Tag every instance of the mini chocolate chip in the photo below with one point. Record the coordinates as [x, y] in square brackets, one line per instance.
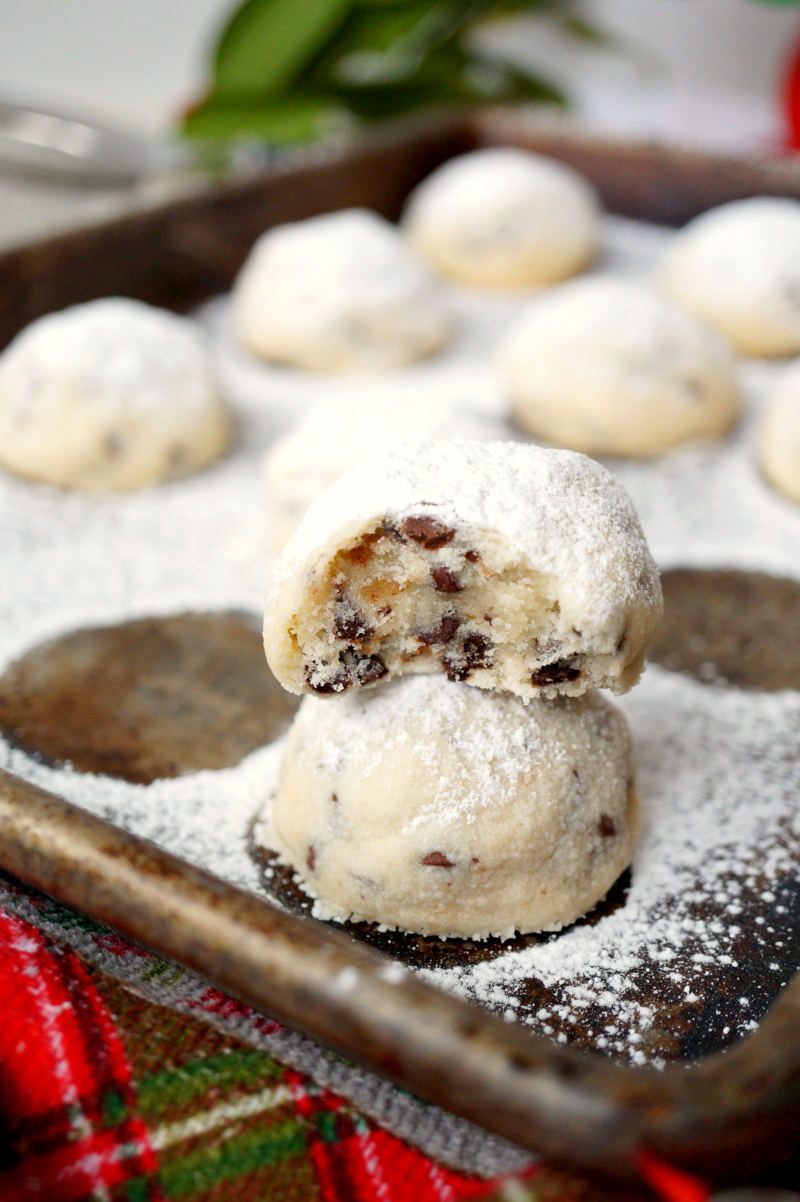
[335, 684]
[576, 774]
[426, 531]
[606, 826]
[444, 581]
[488, 618]
[334, 799]
[476, 649]
[472, 556]
[370, 668]
[384, 611]
[578, 632]
[556, 673]
[349, 623]
[475, 860]
[475, 653]
[443, 633]
[311, 858]
[437, 859]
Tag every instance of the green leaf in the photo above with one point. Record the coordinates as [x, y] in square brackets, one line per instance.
[593, 35]
[277, 122]
[269, 42]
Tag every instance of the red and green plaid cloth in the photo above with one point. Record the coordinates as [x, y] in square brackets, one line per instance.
[122, 1077]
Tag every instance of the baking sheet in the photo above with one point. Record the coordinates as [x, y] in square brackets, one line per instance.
[718, 768]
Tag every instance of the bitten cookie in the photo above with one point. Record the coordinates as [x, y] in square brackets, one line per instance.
[450, 811]
[504, 218]
[737, 268]
[610, 367]
[336, 293]
[333, 438]
[504, 565]
[779, 435]
[112, 395]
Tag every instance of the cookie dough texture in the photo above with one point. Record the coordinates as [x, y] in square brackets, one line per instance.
[449, 811]
[501, 564]
[341, 292]
[109, 395]
[779, 435]
[504, 218]
[737, 268]
[609, 367]
[336, 437]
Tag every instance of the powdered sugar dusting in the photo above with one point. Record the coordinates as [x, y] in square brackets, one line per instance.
[718, 772]
[116, 350]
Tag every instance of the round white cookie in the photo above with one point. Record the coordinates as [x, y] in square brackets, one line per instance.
[609, 367]
[448, 811]
[335, 437]
[501, 564]
[779, 435]
[737, 268]
[113, 394]
[504, 218]
[340, 292]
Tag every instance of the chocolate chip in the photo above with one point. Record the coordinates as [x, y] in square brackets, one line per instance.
[311, 858]
[336, 683]
[384, 611]
[476, 649]
[437, 859]
[114, 445]
[426, 531]
[370, 668]
[334, 799]
[444, 581]
[349, 623]
[475, 652]
[472, 556]
[443, 633]
[488, 618]
[556, 673]
[576, 774]
[475, 860]
[455, 667]
[606, 827]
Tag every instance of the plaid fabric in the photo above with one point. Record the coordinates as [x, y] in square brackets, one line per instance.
[107, 1093]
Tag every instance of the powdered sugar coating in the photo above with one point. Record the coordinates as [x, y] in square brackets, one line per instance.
[779, 435]
[451, 811]
[339, 292]
[737, 268]
[334, 438]
[504, 218]
[112, 394]
[608, 366]
[534, 514]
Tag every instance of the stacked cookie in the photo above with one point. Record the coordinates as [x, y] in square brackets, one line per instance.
[451, 611]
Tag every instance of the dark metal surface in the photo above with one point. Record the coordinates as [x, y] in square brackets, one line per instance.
[150, 698]
[739, 628]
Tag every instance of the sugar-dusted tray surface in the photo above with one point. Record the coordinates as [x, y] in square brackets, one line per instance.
[718, 769]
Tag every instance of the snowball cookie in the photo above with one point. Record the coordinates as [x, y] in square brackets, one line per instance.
[737, 268]
[335, 437]
[779, 435]
[504, 218]
[112, 394]
[339, 292]
[449, 811]
[610, 367]
[501, 564]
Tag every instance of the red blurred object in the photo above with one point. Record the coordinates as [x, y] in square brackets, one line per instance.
[791, 98]
[672, 1184]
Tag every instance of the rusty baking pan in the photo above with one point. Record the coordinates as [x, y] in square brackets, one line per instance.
[734, 1112]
